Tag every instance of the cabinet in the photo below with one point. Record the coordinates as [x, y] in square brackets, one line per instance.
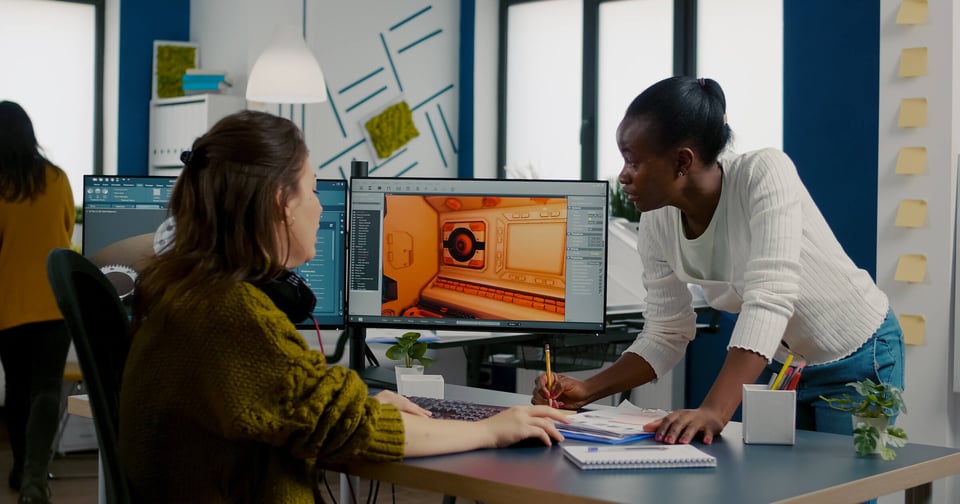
[176, 122]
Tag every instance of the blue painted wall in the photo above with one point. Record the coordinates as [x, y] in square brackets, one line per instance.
[468, 21]
[140, 24]
[831, 93]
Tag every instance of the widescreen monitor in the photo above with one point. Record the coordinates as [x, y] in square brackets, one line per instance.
[492, 255]
[122, 213]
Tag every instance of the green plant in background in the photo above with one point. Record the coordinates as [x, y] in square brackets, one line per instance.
[876, 401]
[408, 349]
[78, 215]
[391, 129]
[620, 206]
[172, 63]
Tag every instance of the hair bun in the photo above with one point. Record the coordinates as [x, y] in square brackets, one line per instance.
[186, 156]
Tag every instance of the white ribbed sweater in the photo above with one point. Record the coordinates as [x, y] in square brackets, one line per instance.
[785, 272]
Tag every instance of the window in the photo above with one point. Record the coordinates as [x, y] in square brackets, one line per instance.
[740, 45]
[544, 76]
[635, 51]
[53, 75]
[608, 51]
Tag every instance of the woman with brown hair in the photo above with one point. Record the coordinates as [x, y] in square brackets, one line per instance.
[36, 216]
[222, 400]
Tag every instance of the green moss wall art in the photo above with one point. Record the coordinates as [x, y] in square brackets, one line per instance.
[391, 129]
[171, 61]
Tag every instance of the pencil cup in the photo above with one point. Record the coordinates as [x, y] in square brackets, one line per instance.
[769, 416]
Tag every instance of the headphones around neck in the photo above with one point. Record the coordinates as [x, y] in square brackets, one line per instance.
[288, 291]
[292, 296]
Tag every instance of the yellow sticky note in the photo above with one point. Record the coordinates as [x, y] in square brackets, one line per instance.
[913, 113]
[912, 160]
[914, 328]
[913, 62]
[911, 268]
[912, 12]
[912, 213]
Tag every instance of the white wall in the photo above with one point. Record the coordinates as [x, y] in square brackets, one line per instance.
[352, 40]
[933, 411]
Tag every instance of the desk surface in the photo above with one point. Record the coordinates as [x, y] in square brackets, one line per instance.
[819, 468]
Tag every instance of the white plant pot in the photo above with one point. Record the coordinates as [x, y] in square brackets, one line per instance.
[400, 370]
[881, 424]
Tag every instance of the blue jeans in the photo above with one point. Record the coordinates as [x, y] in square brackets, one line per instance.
[880, 359]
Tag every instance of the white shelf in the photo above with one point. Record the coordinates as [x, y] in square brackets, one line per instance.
[176, 122]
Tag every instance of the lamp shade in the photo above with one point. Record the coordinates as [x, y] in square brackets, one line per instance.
[286, 71]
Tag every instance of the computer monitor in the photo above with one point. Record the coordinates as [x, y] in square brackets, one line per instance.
[326, 273]
[121, 215]
[493, 255]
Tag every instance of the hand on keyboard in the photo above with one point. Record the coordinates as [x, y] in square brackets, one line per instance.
[402, 403]
[456, 410]
[510, 426]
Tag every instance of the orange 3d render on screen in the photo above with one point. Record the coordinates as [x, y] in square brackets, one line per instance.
[449, 253]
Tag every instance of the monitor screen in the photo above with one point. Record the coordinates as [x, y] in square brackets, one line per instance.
[495, 255]
[121, 215]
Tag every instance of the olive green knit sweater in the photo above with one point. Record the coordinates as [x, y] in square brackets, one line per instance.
[222, 401]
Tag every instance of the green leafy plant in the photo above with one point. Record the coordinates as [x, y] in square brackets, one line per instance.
[620, 206]
[408, 349]
[874, 401]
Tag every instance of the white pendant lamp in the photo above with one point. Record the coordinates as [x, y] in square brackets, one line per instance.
[286, 71]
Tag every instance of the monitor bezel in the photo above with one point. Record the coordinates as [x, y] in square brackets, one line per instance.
[565, 327]
[345, 265]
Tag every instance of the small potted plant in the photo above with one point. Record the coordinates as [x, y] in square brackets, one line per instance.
[407, 349]
[872, 410]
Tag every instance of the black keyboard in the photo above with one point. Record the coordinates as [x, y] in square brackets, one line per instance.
[453, 409]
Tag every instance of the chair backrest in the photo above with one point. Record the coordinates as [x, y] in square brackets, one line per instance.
[100, 330]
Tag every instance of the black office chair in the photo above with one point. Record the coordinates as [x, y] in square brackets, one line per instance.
[98, 324]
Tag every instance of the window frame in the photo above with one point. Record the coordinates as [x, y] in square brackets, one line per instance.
[684, 63]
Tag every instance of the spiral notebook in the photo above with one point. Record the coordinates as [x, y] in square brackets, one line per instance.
[658, 456]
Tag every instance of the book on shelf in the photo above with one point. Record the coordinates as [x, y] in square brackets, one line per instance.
[623, 424]
[644, 456]
[204, 71]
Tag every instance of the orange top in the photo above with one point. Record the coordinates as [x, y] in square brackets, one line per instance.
[29, 230]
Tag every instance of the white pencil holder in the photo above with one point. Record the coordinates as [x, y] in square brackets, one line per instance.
[769, 416]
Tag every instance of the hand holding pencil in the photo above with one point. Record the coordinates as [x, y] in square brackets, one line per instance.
[556, 390]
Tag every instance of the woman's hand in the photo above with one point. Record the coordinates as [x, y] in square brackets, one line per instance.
[402, 403]
[522, 422]
[566, 392]
[681, 426]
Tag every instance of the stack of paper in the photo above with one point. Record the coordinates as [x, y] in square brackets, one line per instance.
[622, 424]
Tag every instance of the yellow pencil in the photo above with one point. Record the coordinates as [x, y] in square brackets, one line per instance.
[546, 356]
[783, 371]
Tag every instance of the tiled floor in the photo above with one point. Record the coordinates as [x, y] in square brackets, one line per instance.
[75, 482]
